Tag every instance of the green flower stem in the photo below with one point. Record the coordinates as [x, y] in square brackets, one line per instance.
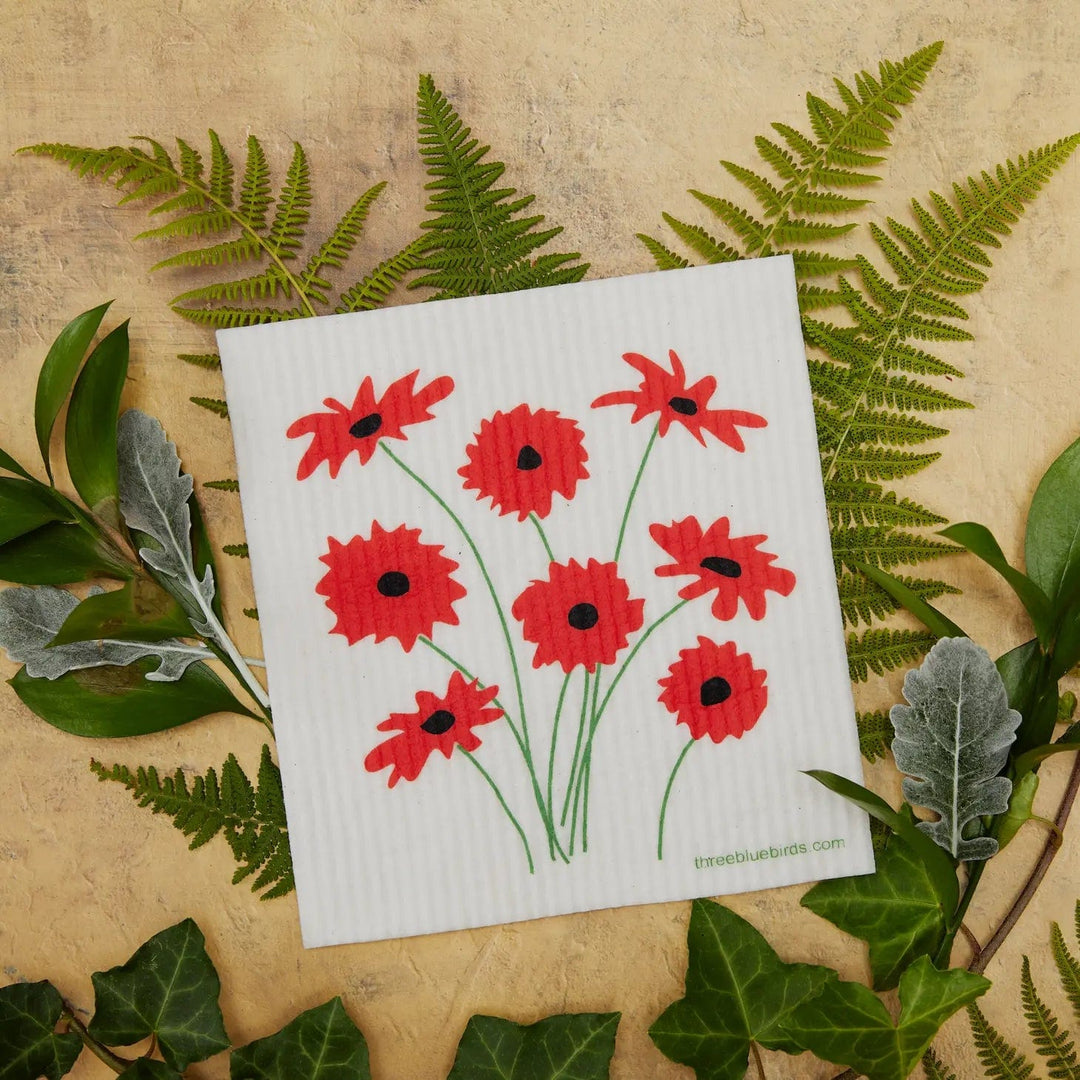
[554, 739]
[585, 773]
[502, 802]
[667, 794]
[577, 748]
[100, 1051]
[525, 747]
[633, 490]
[543, 536]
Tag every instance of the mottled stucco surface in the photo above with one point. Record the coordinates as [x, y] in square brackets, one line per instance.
[609, 111]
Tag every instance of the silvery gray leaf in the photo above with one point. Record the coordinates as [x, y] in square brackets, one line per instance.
[154, 495]
[953, 739]
[31, 618]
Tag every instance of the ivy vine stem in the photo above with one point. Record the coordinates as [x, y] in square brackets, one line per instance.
[99, 1050]
[502, 802]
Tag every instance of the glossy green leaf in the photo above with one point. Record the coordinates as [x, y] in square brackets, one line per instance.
[90, 430]
[979, 540]
[116, 702]
[29, 1045]
[148, 1069]
[203, 552]
[58, 373]
[168, 988]
[1067, 645]
[846, 1024]
[573, 1046]
[1019, 671]
[320, 1044]
[1052, 541]
[58, 554]
[926, 613]
[141, 610]
[11, 465]
[738, 991]
[26, 505]
[1020, 807]
[938, 865]
[897, 911]
[1068, 743]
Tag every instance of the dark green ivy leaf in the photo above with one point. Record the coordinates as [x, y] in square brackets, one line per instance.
[574, 1046]
[26, 505]
[58, 373]
[29, 1045]
[116, 702]
[59, 554]
[140, 611]
[90, 430]
[897, 911]
[320, 1044]
[846, 1024]
[738, 991]
[148, 1069]
[168, 988]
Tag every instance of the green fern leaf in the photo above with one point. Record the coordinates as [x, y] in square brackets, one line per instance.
[268, 285]
[813, 297]
[291, 215]
[250, 817]
[999, 1058]
[251, 613]
[239, 551]
[222, 485]
[1050, 1041]
[705, 244]
[373, 290]
[214, 405]
[878, 463]
[875, 734]
[860, 503]
[1067, 964]
[255, 198]
[751, 231]
[863, 601]
[885, 650]
[210, 361]
[884, 548]
[664, 257]
[221, 172]
[478, 239]
[818, 264]
[336, 248]
[226, 316]
[935, 1068]
[771, 198]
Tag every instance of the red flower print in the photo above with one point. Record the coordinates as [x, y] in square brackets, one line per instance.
[439, 723]
[389, 586]
[340, 432]
[520, 459]
[579, 615]
[732, 565]
[715, 690]
[667, 394]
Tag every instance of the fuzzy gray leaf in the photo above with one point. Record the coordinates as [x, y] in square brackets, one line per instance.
[154, 495]
[31, 618]
[954, 737]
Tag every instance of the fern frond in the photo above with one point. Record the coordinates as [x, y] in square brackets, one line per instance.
[251, 613]
[291, 215]
[336, 247]
[664, 257]
[479, 241]
[210, 361]
[239, 551]
[884, 548]
[875, 734]
[863, 601]
[372, 290]
[1050, 1041]
[222, 485]
[214, 405]
[879, 463]
[704, 243]
[885, 650]
[818, 264]
[935, 1068]
[860, 503]
[1000, 1059]
[250, 817]
[1067, 964]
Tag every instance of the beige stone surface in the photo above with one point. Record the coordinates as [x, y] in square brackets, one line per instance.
[609, 111]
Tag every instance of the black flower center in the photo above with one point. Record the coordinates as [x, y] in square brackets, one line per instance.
[441, 720]
[719, 565]
[686, 406]
[366, 425]
[393, 583]
[529, 458]
[583, 616]
[714, 691]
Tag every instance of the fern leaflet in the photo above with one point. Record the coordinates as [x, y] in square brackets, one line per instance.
[1000, 1059]
[251, 818]
[875, 734]
[1067, 964]
[1050, 1041]
[883, 650]
[934, 1068]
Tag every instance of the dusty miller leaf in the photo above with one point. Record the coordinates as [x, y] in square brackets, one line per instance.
[31, 618]
[29, 1045]
[953, 737]
[154, 495]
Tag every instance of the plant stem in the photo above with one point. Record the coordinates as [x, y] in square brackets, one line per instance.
[577, 747]
[667, 795]
[633, 490]
[103, 1053]
[585, 775]
[502, 802]
[972, 940]
[543, 536]
[554, 739]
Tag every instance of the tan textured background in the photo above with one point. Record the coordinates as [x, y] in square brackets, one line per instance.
[609, 111]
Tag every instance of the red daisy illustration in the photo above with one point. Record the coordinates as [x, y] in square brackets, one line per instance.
[715, 690]
[579, 615]
[666, 393]
[339, 432]
[732, 565]
[389, 586]
[439, 723]
[522, 458]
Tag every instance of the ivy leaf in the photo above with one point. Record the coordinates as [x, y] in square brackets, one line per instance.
[117, 702]
[139, 611]
[738, 991]
[168, 988]
[574, 1046]
[58, 373]
[1052, 542]
[954, 736]
[31, 618]
[846, 1024]
[897, 911]
[90, 430]
[148, 1069]
[59, 554]
[29, 1045]
[320, 1044]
